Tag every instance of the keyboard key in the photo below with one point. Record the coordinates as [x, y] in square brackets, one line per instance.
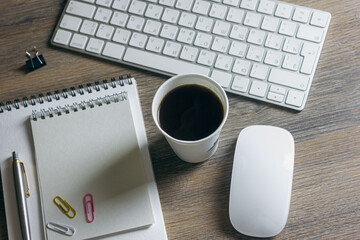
[241, 67]
[155, 44]
[121, 5]
[201, 7]
[301, 15]
[292, 45]
[136, 23]
[113, 50]
[137, 7]
[105, 31]
[105, 3]
[103, 15]
[81, 9]
[172, 49]
[78, 41]
[184, 4]
[223, 62]
[152, 27]
[252, 19]
[258, 88]
[203, 40]
[206, 58]
[119, 19]
[220, 44]
[289, 79]
[62, 37]
[283, 10]
[231, 2]
[256, 37]
[221, 28]
[273, 58]
[169, 31]
[274, 41]
[239, 32]
[121, 36]
[238, 49]
[278, 89]
[235, 15]
[222, 78]
[95, 45]
[189, 53]
[249, 4]
[295, 98]
[187, 20]
[309, 52]
[204, 24]
[155, 61]
[89, 27]
[287, 28]
[240, 84]
[291, 62]
[169, 3]
[255, 53]
[319, 19]
[275, 97]
[259, 71]
[138, 40]
[70, 22]
[218, 11]
[310, 33]
[270, 23]
[266, 6]
[154, 11]
[186, 36]
[170, 15]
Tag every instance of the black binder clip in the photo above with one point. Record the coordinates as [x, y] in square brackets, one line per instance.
[34, 63]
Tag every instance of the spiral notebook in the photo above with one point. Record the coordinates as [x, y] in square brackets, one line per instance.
[76, 151]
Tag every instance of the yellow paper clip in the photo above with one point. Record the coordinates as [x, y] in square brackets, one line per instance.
[65, 207]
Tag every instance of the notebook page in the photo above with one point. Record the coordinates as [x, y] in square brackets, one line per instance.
[92, 151]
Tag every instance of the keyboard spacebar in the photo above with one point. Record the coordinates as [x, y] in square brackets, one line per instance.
[162, 63]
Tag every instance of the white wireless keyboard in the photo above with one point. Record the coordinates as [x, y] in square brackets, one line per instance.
[262, 49]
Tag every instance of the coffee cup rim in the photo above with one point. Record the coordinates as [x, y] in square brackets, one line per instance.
[216, 84]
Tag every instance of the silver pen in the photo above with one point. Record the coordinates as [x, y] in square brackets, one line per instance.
[21, 194]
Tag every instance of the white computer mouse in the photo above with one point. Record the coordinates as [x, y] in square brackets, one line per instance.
[261, 180]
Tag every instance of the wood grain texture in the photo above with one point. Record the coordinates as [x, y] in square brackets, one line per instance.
[326, 188]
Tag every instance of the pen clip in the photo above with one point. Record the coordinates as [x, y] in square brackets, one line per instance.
[27, 191]
[65, 206]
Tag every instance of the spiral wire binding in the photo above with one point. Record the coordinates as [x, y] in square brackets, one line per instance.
[57, 95]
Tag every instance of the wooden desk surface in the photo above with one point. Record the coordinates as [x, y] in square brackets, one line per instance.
[326, 186]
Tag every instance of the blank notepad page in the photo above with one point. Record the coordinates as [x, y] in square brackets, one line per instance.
[92, 151]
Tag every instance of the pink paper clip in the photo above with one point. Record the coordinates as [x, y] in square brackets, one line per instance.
[89, 200]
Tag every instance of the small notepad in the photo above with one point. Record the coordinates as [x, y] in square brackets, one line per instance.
[92, 151]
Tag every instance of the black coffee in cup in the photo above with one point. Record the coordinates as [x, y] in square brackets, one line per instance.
[190, 112]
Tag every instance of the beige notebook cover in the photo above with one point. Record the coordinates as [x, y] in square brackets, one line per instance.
[92, 151]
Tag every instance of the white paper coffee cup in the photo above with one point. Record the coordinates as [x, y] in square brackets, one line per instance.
[202, 149]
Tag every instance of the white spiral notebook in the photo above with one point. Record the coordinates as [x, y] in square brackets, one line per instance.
[91, 115]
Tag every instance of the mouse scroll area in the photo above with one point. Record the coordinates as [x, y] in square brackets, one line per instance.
[261, 181]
